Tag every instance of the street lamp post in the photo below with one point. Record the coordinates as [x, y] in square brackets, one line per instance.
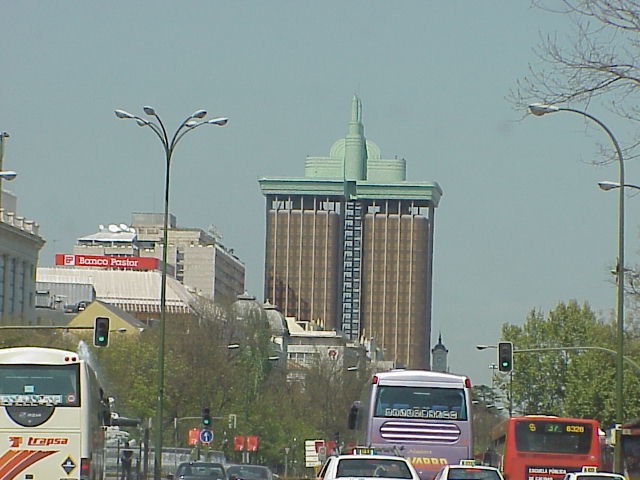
[192, 122]
[542, 109]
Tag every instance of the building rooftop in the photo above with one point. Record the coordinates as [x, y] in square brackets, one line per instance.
[355, 169]
[129, 290]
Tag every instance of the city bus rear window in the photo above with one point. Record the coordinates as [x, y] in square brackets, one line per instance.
[38, 385]
[553, 437]
[421, 403]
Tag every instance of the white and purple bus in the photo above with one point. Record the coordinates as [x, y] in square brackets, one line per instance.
[421, 415]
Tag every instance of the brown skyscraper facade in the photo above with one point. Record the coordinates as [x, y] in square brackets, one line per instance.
[351, 244]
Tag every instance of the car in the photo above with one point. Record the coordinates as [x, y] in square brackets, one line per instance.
[200, 471]
[592, 473]
[468, 470]
[248, 472]
[367, 466]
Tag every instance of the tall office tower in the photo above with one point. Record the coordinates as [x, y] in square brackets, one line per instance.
[350, 245]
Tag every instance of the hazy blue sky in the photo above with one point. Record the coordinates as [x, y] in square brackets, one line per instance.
[521, 223]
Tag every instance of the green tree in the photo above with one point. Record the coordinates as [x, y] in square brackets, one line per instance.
[575, 383]
[201, 371]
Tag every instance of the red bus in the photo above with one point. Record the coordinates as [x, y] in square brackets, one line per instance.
[539, 447]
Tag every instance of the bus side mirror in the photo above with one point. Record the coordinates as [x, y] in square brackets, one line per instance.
[353, 415]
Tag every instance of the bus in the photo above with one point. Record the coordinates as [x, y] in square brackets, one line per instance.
[630, 438]
[52, 416]
[421, 415]
[541, 447]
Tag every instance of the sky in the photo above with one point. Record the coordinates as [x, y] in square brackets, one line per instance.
[521, 224]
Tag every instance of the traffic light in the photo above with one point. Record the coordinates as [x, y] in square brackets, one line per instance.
[505, 356]
[101, 331]
[206, 417]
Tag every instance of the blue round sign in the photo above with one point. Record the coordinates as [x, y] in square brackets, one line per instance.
[206, 436]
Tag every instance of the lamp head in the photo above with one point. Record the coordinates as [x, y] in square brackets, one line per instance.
[4, 135]
[192, 124]
[149, 110]
[199, 114]
[8, 175]
[539, 109]
[123, 114]
[221, 121]
[606, 185]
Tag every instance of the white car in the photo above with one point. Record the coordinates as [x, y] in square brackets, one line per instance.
[468, 470]
[367, 466]
[592, 473]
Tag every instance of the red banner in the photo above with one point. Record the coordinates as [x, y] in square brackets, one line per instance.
[104, 261]
[248, 444]
[194, 435]
[252, 443]
[238, 443]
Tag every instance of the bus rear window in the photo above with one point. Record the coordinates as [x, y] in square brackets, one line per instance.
[553, 437]
[421, 403]
[38, 385]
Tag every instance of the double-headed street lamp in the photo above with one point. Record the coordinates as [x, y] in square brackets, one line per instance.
[192, 122]
[539, 109]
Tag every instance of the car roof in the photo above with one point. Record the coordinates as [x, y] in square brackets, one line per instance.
[479, 467]
[371, 457]
[595, 475]
[246, 465]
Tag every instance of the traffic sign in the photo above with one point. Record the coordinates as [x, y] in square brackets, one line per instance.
[194, 434]
[206, 436]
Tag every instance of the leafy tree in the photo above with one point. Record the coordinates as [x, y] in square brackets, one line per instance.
[575, 383]
[200, 370]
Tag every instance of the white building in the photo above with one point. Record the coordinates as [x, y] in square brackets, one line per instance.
[20, 245]
[195, 258]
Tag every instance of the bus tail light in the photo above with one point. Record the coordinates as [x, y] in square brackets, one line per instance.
[374, 380]
[467, 383]
[85, 468]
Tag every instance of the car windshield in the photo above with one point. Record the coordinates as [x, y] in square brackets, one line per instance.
[373, 467]
[248, 473]
[204, 470]
[472, 474]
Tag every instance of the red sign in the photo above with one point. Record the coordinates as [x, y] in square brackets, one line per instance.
[249, 444]
[194, 435]
[238, 443]
[252, 443]
[104, 261]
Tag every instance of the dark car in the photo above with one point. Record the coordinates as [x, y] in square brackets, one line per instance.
[200, 471]
[248, 472]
